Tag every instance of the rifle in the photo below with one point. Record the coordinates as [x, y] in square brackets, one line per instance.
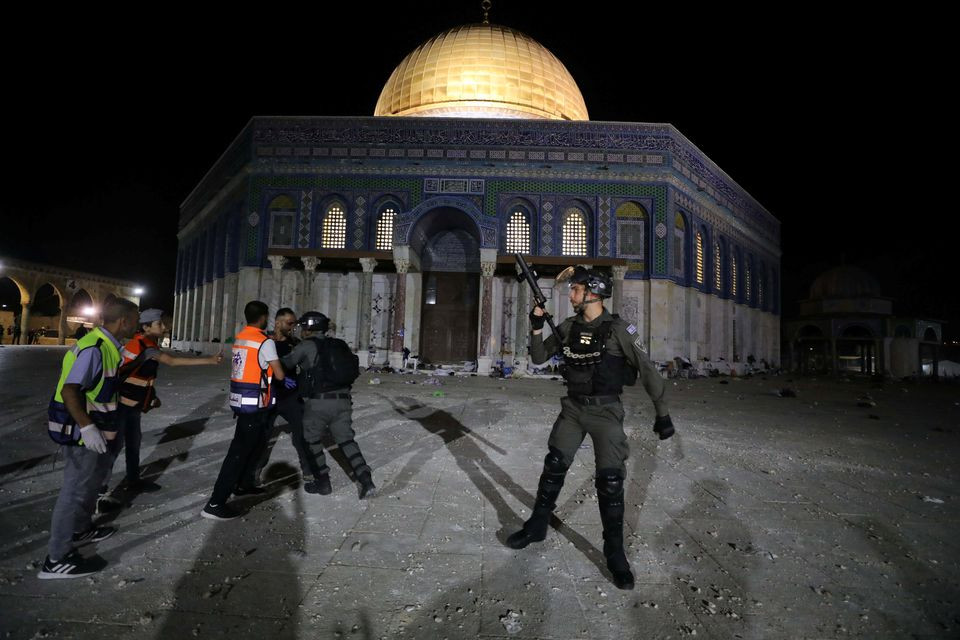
[541, 300]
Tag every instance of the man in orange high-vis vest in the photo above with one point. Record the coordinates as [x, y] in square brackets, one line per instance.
[254, 364]
[137, 393]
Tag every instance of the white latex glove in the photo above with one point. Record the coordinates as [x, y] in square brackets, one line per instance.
[92, 439]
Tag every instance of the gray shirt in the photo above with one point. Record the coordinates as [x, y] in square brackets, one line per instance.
[303, 355]
[88, 366]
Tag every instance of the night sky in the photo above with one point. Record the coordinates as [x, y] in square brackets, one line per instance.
[834, 123]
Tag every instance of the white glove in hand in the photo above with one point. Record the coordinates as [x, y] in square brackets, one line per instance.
[92, 439]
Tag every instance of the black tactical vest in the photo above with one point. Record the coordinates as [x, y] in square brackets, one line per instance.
[589, 369]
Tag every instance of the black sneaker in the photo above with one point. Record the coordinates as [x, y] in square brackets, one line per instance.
[93, 534]
[73, 565]
[249, 491]
[319, 485]
[108, 504]
[220, 512]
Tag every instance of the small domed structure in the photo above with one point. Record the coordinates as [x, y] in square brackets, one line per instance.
[845, 281]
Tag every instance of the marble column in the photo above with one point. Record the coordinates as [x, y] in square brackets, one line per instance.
[216, 303]
[484, 348]
[366, 302]
[197, 315]
[175, 328]
[62, 326]
[276, 262]
[619, 272]
[397, 330]
[228, 327]
[523, 306]
[305, 303]
[25, 323]
[206, 313]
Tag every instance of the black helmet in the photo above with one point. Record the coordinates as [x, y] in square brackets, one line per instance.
[595, 282]
[314, 321]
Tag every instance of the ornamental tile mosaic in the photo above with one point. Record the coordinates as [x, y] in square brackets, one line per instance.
[603, 227]
[359, 221]
[306, 218]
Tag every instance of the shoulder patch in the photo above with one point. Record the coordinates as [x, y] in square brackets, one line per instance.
[631, 329]
[639, 346]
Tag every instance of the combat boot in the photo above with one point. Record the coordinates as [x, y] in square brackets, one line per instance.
[610, 497]
[663, 427]
[366, 485]
[551, 481]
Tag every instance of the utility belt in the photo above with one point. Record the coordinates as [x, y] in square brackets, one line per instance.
[595, 400]
[331, 396]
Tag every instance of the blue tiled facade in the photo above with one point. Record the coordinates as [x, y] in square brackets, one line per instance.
[487, 169]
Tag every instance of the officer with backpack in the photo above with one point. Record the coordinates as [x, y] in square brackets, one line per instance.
[328, 369]
[601, 354]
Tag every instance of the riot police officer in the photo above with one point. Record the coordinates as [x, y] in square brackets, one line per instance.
[328, 369]
[601, 354]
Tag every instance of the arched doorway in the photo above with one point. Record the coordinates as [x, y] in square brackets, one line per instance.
[13, 297]
[812, 350]
[45, 315]
[82, 314]
[930, 353]
[448, 242]
[856, 350]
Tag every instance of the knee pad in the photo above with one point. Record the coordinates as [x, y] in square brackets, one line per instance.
[554, 462]
[609, 483]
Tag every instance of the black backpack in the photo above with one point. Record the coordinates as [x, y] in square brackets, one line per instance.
[336, 367]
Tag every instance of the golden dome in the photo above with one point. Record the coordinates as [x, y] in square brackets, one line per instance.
[482, 71]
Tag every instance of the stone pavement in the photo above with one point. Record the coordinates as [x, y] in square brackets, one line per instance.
[765, 517]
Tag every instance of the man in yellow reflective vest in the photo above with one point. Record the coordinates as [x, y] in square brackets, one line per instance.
[82, 417]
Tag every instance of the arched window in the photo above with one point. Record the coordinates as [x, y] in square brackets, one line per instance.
[699, 242]
[518, 232]
[574, 233]
[679, 231]
[733, 276]
[334, 234]
[384, 240]
[717, 268]
[283, 216]
[632, 233]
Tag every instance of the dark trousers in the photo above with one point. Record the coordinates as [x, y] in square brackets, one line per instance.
[290, 409]
[241, 461]
[335, 415]
[129, 425]
[604, 424]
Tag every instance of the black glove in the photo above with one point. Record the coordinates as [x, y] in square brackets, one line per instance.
[537, 322]
[663, 427]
